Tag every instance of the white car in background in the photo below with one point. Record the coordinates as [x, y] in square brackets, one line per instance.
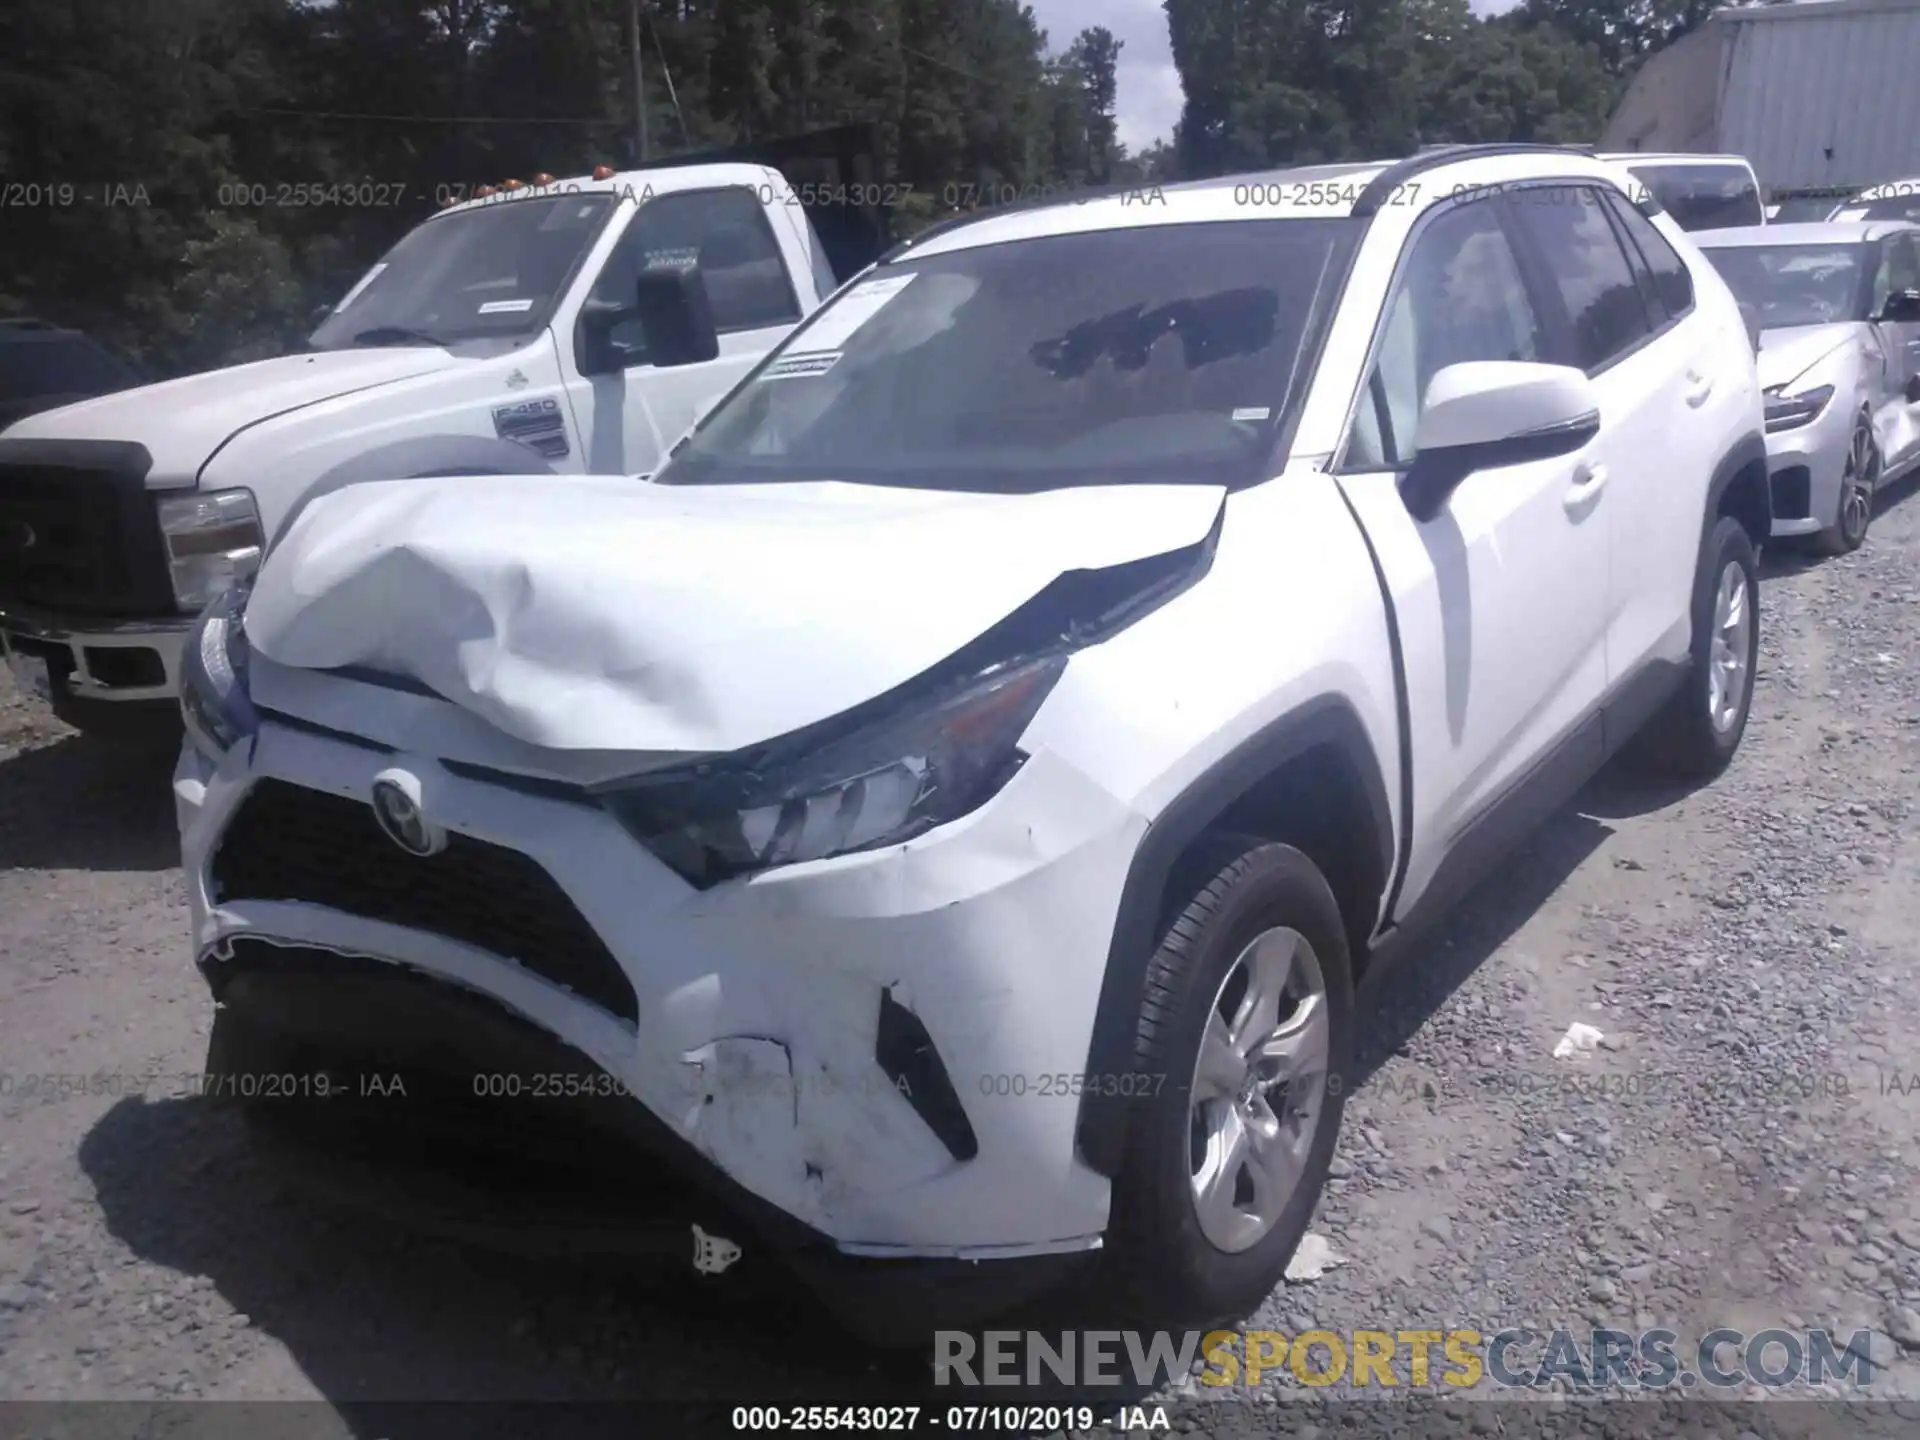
[1895, 200]
[1700, 192]
[1838, 310]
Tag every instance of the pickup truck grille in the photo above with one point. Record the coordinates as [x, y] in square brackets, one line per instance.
[287, 842]
[79, 537]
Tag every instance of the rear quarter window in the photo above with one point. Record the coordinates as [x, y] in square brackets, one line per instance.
[1704, 197]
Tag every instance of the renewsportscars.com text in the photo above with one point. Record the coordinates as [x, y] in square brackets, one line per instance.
[1413, 1359]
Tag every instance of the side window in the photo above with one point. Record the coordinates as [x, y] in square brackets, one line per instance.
[1883, 276]
[727, 233]
[1906, 264]
[1606, 312]
[1672, 281]
[824, 283]
[1460, 297]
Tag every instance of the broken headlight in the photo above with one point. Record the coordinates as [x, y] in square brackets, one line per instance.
[214, 702]
[871, 782]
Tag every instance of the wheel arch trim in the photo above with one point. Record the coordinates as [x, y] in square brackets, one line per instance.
[1325, 721]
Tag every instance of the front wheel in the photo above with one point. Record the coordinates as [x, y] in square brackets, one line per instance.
[1694, 736]
[1854, 514]
[1247, 1021]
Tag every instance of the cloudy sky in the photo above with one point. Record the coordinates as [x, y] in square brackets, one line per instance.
[1149, 99]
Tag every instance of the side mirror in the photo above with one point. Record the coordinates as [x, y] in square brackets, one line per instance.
[1902, 308]
[320, 313]
[671, 305]
[1484, 414]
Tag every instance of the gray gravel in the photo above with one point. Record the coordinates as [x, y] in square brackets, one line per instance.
[1739, 1151]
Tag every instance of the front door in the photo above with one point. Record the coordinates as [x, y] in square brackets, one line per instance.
[1502, 597]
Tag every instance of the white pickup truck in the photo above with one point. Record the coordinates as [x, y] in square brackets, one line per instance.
[501, 336]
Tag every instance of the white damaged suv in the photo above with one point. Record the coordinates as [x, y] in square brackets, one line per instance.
[948, 812]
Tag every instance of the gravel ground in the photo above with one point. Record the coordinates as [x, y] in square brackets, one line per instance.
[1739, 1151]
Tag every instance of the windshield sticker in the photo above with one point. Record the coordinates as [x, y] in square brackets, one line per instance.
[1253, 412]
[1859, 214]
[364, 281]
[851, 311]
[683, 258]
[798, 365]
[506, 307]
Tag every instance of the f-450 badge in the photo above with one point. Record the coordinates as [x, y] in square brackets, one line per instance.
[536, 424]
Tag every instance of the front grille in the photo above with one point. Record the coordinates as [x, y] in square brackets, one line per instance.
[81, 537]
[287, 842]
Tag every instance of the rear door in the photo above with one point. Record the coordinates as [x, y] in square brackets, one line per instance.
[1622, 321]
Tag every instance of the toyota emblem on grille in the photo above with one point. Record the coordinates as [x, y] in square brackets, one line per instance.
[16, 537]
[397, 810]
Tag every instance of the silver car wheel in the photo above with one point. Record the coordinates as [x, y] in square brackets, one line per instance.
[1258, 1086]
[1732, 645]
[1856, 488]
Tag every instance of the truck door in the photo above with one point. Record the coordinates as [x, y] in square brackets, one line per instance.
[629, 416]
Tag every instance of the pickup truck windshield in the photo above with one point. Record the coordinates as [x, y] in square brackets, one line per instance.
[496, 270]
[1795, 284]
[1152, 354]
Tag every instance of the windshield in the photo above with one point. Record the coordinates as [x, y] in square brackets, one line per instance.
[1162, 353]
[1787, 285]
[1887, 207]
[1704, 197]
[498, 270]
[69, 365]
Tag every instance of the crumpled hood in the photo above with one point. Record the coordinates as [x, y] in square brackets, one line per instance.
[1786, 354]
[604, 613]
[182, 422]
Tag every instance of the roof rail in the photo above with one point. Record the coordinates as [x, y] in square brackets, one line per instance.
[1039, 202]
[1381, 189]
[26, 322]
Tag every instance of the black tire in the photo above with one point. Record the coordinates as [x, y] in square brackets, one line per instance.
[1848, 532]
[1681, 742]
[1164, 1268]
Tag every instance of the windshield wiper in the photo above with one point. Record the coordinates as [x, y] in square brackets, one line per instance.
[396, 335]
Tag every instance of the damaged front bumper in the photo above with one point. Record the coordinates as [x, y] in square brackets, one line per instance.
[869, 1060]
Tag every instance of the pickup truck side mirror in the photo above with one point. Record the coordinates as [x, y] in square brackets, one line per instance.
[671, 306]
[1902, 308]
[1483, 414]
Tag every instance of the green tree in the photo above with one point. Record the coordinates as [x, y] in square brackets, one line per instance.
[1095, 57]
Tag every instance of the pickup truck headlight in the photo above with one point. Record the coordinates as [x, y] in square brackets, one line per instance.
[213, 539]
[214, 703]
[879, 782]
[1790, 412]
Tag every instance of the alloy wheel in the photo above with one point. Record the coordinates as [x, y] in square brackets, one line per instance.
[1258, 1087]
[1732, 644]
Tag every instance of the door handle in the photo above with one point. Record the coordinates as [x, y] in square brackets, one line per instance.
[1588, 482]
[1699, 387]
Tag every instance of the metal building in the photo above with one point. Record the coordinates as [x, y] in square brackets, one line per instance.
[1822, 96]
